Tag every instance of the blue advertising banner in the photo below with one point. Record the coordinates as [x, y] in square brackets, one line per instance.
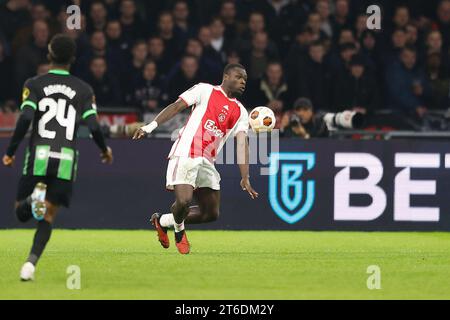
[310, 185]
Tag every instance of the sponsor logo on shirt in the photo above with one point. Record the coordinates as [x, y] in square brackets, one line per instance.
[210, 125]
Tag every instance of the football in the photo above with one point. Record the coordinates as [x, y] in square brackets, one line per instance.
[262, 119]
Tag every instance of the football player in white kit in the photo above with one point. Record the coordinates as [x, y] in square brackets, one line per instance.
[215, 116]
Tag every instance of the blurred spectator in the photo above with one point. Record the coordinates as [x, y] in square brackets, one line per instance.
[323, 9]
[341, 18]
[218, 41]
[156, 52]
[98, 16]
[98, 48]
[210, 70]
[106, 87]
[443, 21]
[181, 15]
[401, 17]
[147, 93]
[439, 82]
[356, 89]
[282, 16]
[152, 9]
[434, 44]
[14, 14]
[186, 77]
[340, 64]
[412, 35]
[133, 69]
[116, 42]
[228, 15]
[407, 86]
[205, 37]
[271, 90]
[360, 25]
[6, 73]
[31, 55]
[346, 36]
[371, 52]
[303, 122]
[132, 26]
[297, 55]
[314, 23]
[256, 23]
[398, 42]
[259, 55]
[166, 31]
[314, 78]
[38, 12]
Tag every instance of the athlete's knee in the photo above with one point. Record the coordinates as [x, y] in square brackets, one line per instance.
[183, 203]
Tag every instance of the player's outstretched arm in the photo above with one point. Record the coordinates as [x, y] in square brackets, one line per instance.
[243, 163]
[165, 115]
[23, 123]
[106, 154]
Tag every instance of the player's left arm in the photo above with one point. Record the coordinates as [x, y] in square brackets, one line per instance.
[28, 109]
[243, 163]
[89, 116]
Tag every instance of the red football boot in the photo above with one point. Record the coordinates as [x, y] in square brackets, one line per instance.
[162, 231]
[182, 242]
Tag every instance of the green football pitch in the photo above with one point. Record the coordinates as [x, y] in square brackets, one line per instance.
[230, 265]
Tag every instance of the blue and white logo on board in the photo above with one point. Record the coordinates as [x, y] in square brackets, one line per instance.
[289, 195]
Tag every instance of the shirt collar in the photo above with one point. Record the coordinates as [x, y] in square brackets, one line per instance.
[59, 72]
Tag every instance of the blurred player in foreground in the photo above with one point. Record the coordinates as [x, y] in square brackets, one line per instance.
[56, 103]
[215, 116]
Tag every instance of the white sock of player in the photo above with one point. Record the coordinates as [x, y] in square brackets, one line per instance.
[167, 220]
[178, 226]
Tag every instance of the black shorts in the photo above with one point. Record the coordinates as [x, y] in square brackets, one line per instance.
[59, 192]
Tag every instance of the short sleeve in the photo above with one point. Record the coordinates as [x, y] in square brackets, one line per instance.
[242, 124]
[29, 95]
[193, 95]
[88, 104]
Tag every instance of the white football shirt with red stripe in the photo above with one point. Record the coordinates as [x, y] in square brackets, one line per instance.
[214, 117]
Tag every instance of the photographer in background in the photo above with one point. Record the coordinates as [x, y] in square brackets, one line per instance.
[303, 122]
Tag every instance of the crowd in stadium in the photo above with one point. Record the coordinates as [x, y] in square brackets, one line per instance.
[143, 54]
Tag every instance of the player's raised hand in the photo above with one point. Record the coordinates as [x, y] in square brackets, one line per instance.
[107, 156]
[139, 134]
[246, 186]
[8, 161]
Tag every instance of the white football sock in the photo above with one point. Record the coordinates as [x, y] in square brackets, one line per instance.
[167, 220]
[178, 226]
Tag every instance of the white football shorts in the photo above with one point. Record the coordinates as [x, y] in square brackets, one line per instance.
[198, 172]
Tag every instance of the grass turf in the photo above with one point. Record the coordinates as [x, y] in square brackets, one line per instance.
[230, 265]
